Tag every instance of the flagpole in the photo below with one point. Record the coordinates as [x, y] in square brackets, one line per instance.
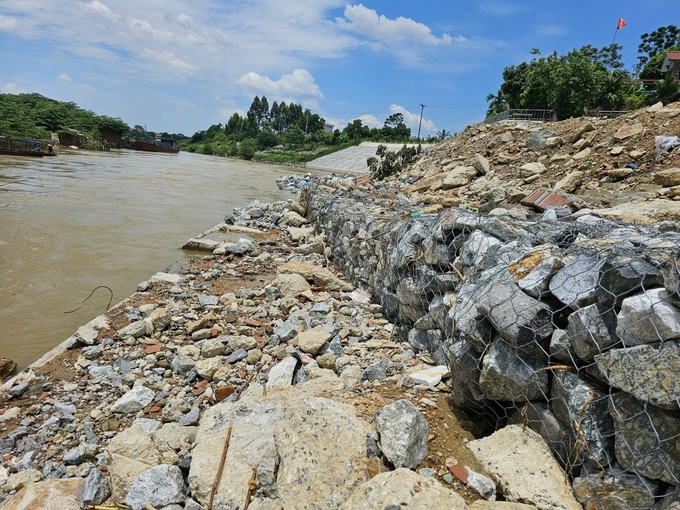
[615, 33]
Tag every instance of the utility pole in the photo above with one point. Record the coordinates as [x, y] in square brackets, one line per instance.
[306, 122]
[422, 107]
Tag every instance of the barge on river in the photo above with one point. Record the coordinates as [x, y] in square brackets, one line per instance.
[161, 144]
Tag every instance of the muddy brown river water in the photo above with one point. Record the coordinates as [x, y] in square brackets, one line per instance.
[83, 219]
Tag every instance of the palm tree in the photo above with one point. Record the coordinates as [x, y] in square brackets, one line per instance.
[443, 134]
[667, 89]
[497, 103]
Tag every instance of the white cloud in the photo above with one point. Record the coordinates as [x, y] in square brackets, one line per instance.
[12, 88]
[371, 121]
[170, 58]
[7, 22]
[86, 87]
[551, 30]
[501, 8]
[100, 9]
[64, 77]
[298, 84]
[412, 120]
[366, 22]
[224, 114]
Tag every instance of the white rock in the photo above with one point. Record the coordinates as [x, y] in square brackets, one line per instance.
[134, 400]
[430, 376]
[282, 373]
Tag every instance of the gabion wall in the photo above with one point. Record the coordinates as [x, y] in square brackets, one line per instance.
[565, 322]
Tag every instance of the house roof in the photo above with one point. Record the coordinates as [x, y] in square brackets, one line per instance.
[673, 55]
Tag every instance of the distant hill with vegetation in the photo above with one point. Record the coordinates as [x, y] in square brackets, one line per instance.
[289, 133]
[35, 116]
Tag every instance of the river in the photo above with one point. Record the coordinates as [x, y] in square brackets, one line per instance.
[83, 219]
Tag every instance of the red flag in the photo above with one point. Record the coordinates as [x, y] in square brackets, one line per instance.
[621, 24]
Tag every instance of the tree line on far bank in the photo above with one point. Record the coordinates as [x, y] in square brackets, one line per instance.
[588, 78]
[35, 116]
[287, 132]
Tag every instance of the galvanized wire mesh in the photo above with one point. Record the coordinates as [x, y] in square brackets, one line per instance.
[566, 323]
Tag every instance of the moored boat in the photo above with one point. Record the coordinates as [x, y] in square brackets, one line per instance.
[27, 147]
[161, 145]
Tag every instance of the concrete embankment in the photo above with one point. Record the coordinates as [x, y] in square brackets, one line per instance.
[353, 159]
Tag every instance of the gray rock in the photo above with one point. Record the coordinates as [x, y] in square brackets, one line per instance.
[403, 434]
[212, 347]
[591, 331]
[463, 362]
[375, 372]
[105, 373]
[418, 340]
[286, 331]
[18, 390]
[474, 252]
[648, 372]
[77, 455]
[510, 375]
[670, 501]
[291, 284]
[481, 164]
[125, 367]
[135, 329]
[535, 270]
[560, 347]
[537, 138]
[577, 283]
[236, 356]
[585, 411]
[182, 364]
[205, 300]
[190, 418]
[134, 400]
[648, 318]
[394, 490]
[626, 273]
[466, 322]
[482, 485]
[94, 490]
[645, 438]
[611, 487]
[147, 425]
[63, 410]
[159, 486]
[522, 321]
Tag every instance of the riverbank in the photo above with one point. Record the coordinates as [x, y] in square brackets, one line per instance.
[155, 369]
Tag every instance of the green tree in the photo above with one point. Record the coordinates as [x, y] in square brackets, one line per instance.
[266, 138]
[248, 148]
[395, 130]
[355, 130]
[661, 39]
[667, 89]
[294, 135]
[652, 69]
[497, 103]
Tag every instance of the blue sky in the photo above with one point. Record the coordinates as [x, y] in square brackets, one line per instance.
[180, 66]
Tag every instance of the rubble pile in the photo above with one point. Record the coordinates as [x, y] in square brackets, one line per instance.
[605, 162]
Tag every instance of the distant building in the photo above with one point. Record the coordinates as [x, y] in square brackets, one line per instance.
[166, 142]
[671, 64]
[328, 128]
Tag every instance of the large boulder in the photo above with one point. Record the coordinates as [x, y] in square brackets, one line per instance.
[584, 410]
[523, 321]
[510, 375]
[403, 433]
[648, 318]
[520, 463]
[128, 455]
[323, 454]
[537, 138]
[402, 488]
[646, 438]
[611, 487]
[51, 494]
[591, 331]
[159, 487]
[252, 423]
